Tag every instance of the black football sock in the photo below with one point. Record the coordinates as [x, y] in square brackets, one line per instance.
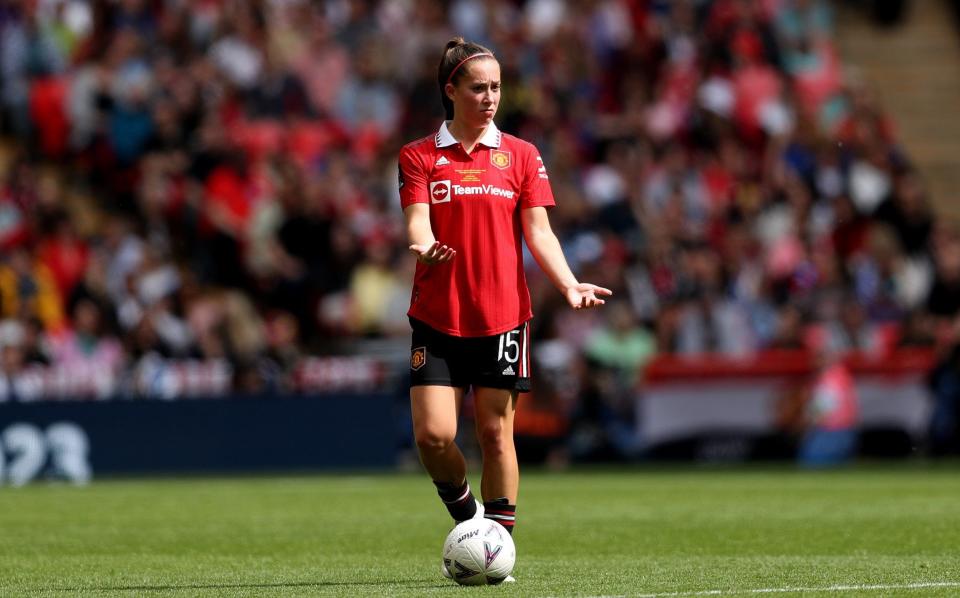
[501, 511]
[458, 500]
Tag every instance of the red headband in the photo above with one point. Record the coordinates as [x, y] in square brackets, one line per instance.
[456, 68]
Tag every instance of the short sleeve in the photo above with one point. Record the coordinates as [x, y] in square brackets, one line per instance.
[535, 188]
[411, 178]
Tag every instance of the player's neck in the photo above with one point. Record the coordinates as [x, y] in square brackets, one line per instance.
[467, 135]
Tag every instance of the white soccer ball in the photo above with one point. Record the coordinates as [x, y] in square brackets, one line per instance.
[479, 551]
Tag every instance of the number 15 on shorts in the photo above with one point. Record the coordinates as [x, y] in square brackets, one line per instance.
[509, 347]
[512, 352]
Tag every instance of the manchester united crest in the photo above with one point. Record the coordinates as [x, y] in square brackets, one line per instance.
[500, 159]
[418, 357]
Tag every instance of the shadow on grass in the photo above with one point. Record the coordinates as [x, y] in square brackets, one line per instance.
[406, 583]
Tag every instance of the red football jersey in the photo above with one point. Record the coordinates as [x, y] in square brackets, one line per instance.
[475, 201]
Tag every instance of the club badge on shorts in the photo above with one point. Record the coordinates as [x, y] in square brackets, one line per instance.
[500, 159]
[418, 357]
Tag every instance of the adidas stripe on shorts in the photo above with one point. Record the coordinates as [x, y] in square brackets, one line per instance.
[499, 361]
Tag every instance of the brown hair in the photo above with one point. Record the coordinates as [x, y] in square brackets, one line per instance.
[454, 55]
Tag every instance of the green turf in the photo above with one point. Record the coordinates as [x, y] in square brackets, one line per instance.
[595, 533]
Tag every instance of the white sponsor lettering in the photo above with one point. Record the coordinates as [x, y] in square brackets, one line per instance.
[482, 190]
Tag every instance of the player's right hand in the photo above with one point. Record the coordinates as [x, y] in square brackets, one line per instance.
[585, 295]
[433, 254]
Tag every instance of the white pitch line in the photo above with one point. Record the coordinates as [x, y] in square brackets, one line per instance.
[850, 588]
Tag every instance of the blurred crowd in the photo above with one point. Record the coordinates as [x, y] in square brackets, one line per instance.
[217, 180]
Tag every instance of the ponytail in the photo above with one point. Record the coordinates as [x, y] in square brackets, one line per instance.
[455, 55]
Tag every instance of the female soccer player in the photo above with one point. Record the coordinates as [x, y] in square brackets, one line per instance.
[467, 192]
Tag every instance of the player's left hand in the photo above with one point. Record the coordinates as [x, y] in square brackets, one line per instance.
[585, 295]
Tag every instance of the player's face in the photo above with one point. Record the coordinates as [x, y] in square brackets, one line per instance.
[477, 94]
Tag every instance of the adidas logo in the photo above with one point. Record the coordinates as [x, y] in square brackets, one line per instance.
[508, 371]
[442, 161]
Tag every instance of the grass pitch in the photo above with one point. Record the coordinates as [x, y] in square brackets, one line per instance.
[874, 531]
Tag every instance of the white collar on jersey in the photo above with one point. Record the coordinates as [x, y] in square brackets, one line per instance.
[491, 137]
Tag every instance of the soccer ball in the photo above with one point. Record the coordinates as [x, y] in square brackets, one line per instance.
[479, 551]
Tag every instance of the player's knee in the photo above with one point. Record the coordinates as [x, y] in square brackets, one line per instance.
[433, 440]
[494, 438]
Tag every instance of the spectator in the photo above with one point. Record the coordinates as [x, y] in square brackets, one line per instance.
[944, 298]
[28, 289]
[86, 345]
[944, 381]
[373, 287]
[831, 415]
[621, 345]
[789, 330]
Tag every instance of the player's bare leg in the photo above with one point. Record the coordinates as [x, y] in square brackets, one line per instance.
[500, 484]
[435, 411]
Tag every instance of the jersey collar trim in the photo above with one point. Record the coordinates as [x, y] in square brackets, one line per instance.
[491, 137]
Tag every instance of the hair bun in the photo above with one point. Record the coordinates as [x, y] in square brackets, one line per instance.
[454, 42]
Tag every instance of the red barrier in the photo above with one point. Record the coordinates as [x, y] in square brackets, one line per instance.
[779, 364]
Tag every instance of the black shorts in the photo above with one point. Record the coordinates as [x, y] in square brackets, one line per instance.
[499, 361]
